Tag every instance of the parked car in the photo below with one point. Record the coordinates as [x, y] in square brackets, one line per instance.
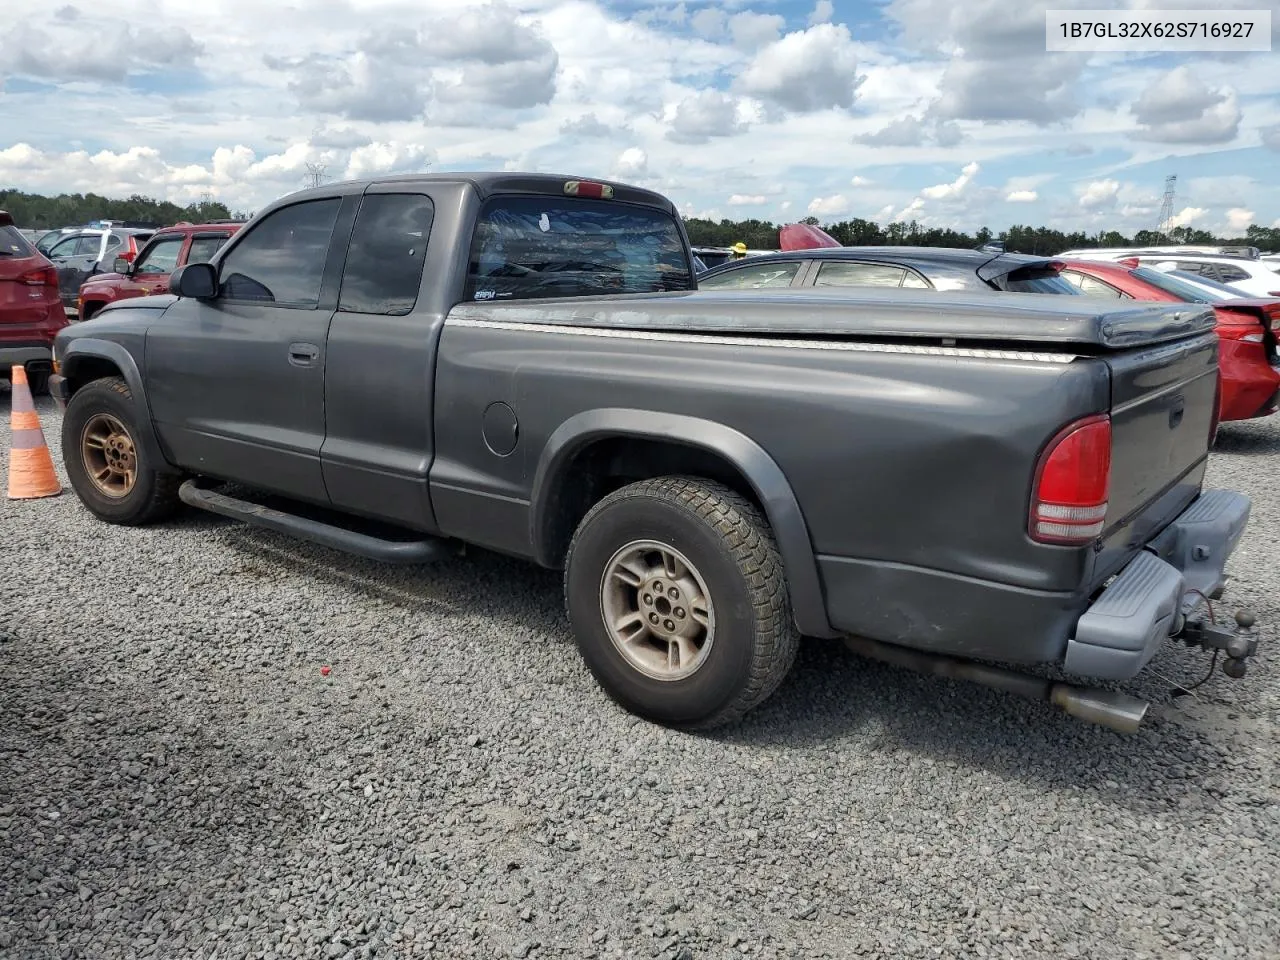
[1253, 278]
[1234, 251]
[1247, 350]
[938, 268]
[168, 249]
[519, 362]
[31, 312]
[87, 252]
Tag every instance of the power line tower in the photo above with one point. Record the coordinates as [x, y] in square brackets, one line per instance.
[1164, 226]
[315, 174]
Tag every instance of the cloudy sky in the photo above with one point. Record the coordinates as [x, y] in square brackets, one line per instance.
[947, 112]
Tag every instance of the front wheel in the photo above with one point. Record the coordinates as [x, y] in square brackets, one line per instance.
[107, 466]
[678, 602]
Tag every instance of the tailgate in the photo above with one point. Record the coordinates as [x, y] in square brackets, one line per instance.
[1163, 404]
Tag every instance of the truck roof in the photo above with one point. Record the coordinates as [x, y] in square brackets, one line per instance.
[491, 183]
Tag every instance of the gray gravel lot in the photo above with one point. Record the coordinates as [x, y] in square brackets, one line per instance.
[178, 780]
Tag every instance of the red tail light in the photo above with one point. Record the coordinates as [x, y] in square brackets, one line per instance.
[587, 188]
[40, 277]
[1069, 496]
[1240, 326]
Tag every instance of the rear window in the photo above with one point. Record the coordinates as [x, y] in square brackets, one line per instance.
[1185, 292]
[532, 247]
[13, 244]
[1037, 280]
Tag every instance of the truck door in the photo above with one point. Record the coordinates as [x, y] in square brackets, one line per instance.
[380, 361]
[236, 383]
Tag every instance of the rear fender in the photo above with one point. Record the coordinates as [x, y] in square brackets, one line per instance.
[748, 457]
[77, 355]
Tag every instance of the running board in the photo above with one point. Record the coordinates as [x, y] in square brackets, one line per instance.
[304, 528]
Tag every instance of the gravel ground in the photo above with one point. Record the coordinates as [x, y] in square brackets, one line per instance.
[177, 778]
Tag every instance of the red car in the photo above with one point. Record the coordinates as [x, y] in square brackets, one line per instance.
[31, 311]
[148, 274]
[1247, 358]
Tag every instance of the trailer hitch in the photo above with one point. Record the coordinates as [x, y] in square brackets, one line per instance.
[1239, 644]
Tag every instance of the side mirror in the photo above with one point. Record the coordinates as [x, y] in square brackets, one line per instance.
[198, 281]
[121, 266]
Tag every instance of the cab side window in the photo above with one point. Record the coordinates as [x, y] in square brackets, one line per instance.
[385, 258]
[281, 261]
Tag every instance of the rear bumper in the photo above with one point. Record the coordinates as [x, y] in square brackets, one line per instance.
[1249, 382]
[1146, 602]
[22, 354]
[1112, 637]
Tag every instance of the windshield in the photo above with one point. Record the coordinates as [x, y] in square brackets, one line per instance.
[536, 246]
[1170, 284]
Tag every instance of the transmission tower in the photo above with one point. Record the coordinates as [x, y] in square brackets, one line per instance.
[1163, 227]
[315, 174]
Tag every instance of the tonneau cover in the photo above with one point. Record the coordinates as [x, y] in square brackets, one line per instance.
[890, 314]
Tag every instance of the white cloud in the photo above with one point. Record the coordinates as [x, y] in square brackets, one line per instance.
[1187, 216]
[829, 206]
[704, 115]
[745, 200]
[1100, 193]
[1021, 196]
[1178, 107]
[813, 69]
[1239, 219]
[860, 182]
[632, 162]
[822, 11]
[948, 191]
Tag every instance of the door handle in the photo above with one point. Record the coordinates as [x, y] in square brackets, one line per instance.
[303, 354]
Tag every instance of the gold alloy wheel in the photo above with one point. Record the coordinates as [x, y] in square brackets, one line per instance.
[108, 455]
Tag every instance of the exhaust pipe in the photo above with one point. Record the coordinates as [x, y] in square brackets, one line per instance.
[1116, 711]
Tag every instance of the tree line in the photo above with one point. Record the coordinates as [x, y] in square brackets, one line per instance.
[1040, 241]
[31, 211]
[35, 212]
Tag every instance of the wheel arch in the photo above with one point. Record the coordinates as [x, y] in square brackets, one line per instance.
[553, 517]
[88, 359]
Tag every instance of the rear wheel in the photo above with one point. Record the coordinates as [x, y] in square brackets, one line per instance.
[109, 470]
[678, 602]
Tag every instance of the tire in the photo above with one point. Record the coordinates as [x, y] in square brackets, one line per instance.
[730, 551]
[152, 496]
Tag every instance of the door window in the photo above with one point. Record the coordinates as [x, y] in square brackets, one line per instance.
[203, 248]
[1229, 274]
[388, 248]
[834, 274]
[73, 246]
[282, 259]
[160, 257]
[754, 276]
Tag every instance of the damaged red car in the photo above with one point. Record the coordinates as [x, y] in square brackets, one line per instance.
[1247, 354]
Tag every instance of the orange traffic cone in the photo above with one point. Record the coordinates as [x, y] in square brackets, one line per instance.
[31, 472]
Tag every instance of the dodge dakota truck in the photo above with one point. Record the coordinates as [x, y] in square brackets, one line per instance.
[402, 366]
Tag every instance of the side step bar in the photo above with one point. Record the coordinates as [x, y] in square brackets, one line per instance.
[325, 534]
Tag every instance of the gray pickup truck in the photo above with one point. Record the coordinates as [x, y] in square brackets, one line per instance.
[399, 366]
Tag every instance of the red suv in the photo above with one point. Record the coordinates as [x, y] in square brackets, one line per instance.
[31, 311]
[148, 274]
